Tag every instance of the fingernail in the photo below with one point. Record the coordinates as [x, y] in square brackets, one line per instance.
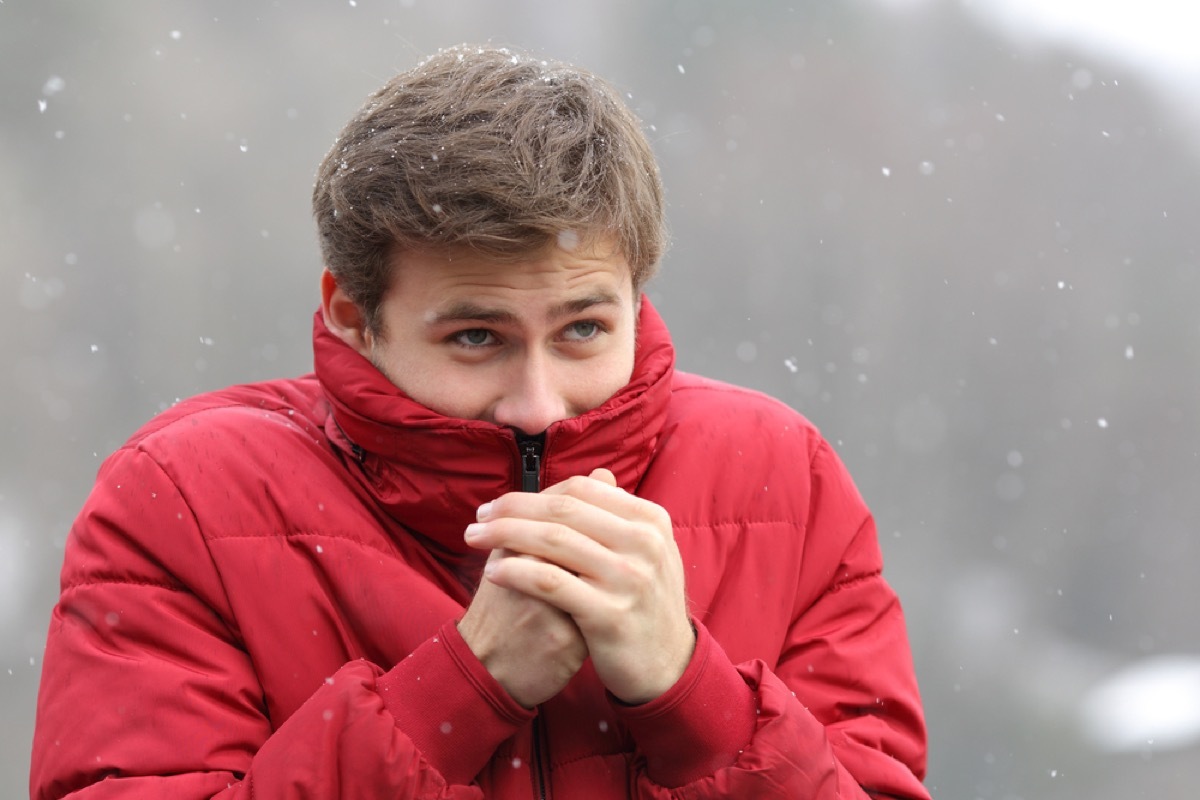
[483, 511]
[472, 531]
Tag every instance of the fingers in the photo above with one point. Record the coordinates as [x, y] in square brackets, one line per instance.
[530, 647]
[600, 489]
[565, 530]
[587, 544]
[604, 475]
[593, 505]
[608, 560]
[539, 540]
[586, 525]
[552, 584]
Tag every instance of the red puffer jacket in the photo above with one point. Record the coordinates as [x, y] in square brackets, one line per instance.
[259, 597]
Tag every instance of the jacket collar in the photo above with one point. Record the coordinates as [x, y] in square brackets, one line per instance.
[430, 472]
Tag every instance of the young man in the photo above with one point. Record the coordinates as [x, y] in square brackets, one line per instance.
[496, 546]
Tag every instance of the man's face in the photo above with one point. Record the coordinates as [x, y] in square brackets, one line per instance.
[521, 344]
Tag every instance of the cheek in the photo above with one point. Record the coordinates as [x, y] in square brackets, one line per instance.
[451, 392]
[431, 381]
[629, 350]
[604, 379]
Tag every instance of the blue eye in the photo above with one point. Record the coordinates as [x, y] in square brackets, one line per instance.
[474, 337]
[583, 330]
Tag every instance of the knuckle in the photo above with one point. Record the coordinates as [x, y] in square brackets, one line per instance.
[642, 575]
[608, 626]
[656, 549]
[557, 535]
[627, 571]
[556, 636]
[574, 483]
[561, 505]
[645, 542]
[659, 517]
[548, 580]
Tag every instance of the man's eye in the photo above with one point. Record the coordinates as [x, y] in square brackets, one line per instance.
[582, 331]
[475, 337]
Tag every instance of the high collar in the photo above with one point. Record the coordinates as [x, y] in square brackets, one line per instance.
[430, 472]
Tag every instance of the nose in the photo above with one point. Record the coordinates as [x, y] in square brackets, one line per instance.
[533, 401]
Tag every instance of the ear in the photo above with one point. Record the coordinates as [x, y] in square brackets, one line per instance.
[343, 316]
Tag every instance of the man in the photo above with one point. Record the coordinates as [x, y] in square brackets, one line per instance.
[496, 546]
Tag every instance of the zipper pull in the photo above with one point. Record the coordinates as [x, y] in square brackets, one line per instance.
[531, 464]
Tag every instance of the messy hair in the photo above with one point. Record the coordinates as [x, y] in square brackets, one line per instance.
[489, 149]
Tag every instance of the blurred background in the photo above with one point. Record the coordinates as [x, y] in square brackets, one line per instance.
[960, 236]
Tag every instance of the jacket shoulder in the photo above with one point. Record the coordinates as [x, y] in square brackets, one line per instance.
[241, 459]
[736, 411]
[750, 459]
[298, 400]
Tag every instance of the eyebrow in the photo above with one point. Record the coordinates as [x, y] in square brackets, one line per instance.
[467, 311]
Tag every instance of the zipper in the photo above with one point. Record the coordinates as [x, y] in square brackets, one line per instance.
[357, 450]
[529, 479]
[530, 451]
[541, 768]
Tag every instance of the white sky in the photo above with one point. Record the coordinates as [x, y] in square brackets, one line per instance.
[1151, 704]
[1158, 37]
[1157, 40]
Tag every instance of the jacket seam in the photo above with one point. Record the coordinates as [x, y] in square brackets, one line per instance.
[736, 523]
[724, 387]
[115, 581]
[234, 633]
[555, 763]
[137, 444]
[302, 535]
[846, 583]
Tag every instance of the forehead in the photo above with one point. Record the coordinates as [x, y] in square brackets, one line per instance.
[455, 272]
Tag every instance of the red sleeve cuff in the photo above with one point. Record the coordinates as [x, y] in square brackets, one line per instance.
[450, 706]
[700, 724]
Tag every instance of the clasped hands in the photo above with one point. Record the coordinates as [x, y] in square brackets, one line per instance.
[581, 569]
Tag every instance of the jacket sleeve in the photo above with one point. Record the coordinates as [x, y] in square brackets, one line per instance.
[838, 715]
[146, 690]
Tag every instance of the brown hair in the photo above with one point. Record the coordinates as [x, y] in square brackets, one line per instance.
[490, 149]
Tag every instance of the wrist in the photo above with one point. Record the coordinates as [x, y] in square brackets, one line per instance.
[700, 724]
[673, 664]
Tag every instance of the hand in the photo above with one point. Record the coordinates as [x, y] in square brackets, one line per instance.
[531, 648]
[609, 560]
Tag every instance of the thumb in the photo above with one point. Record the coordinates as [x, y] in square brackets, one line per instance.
[604, 476]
